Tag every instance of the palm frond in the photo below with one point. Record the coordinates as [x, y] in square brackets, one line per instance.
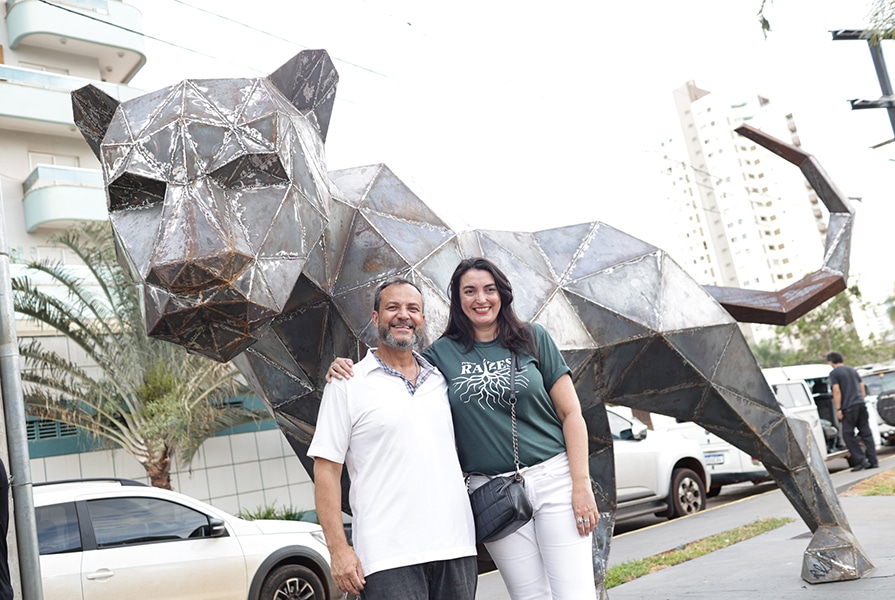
[151, 398]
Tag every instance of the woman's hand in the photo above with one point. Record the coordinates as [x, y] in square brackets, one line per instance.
[574, 430]
[584, 504]
[341, 368]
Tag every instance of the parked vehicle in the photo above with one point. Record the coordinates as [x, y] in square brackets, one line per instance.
[728, 464]
[797, 397]
[656, 472]
[817, 378]
[879, 383]
[113, 539]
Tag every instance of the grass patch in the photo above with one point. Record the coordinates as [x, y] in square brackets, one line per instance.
[882, 484]
[633, 569]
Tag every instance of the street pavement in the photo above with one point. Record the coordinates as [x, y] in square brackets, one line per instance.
[767, 566]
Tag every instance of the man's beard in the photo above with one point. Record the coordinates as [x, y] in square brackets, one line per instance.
[386, 337]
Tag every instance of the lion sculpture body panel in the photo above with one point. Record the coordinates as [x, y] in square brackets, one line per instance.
[249, 250]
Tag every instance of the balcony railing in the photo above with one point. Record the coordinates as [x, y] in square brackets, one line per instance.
[56, 197]
[100, 6]
[106, 30]
[63, 83]
[47, 175]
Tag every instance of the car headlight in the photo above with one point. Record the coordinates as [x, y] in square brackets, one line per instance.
[318, 535]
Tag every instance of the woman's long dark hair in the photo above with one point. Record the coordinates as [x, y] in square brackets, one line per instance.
[512, 332]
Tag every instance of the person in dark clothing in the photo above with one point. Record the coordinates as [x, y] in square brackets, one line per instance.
[848, 396]
[5, 583]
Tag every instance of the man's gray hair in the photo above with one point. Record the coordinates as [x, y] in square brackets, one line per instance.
[396, 280]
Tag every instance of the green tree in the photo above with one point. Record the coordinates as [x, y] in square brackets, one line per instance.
[831, 327]
[881, 18]
[770, 353]
[889, 304]
[151, 398]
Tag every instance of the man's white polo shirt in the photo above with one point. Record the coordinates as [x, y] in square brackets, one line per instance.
[408, 496]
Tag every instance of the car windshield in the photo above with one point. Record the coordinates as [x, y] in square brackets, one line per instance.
[792, 395]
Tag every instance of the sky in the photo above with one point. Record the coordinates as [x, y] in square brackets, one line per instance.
[523, 115]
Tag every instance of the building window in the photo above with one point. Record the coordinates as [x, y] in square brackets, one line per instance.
[57, 160]
[44, 429]
[43, 68]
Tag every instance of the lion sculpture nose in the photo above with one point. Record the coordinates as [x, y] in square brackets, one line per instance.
[196, 274]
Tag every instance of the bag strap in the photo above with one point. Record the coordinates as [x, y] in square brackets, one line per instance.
[513, 414]
[518, 475]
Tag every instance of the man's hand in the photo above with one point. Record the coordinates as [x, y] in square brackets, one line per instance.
[341, 368]
[347, 571]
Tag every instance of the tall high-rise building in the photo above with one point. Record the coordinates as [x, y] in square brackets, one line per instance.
[746, 217]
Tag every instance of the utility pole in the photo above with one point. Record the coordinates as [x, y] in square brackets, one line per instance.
[24, 551]
[887, 100]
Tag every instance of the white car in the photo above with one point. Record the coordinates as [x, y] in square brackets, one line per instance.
[656, 472]
[114, 539]
[879, 383]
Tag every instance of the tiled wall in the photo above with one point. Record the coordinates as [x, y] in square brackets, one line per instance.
[237, 472]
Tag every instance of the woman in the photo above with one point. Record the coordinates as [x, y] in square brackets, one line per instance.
[551, 556]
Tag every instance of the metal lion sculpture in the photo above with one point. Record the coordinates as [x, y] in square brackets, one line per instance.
[247, 249]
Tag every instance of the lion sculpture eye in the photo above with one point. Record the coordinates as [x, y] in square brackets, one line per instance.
[134, 191]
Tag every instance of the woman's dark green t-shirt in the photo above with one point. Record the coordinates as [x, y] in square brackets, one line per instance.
[478, 388]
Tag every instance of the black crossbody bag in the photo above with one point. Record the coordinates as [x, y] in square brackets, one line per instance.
[500, 506]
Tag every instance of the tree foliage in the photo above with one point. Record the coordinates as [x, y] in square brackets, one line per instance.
[830, 327]
[880, 19]
[150, 398]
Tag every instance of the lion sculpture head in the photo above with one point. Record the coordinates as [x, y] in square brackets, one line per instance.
[217, 193]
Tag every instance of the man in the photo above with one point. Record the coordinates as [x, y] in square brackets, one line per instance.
[848, 397]
[413, 532]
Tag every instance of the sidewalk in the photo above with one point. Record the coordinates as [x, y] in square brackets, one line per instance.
[766, 567]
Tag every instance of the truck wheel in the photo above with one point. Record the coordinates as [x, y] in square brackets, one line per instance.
[686, 495]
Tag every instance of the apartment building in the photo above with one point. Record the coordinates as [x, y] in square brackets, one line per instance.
[49, 181]
[747, 218]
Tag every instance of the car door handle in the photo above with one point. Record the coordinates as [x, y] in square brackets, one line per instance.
[101, 575]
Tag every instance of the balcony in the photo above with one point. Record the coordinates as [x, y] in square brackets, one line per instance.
[40, 102]
[58, 197]
[107, 30]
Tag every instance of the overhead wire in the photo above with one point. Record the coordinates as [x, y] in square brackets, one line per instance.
[697, 170]
[275, 36]
[129, 30]
[205, 54]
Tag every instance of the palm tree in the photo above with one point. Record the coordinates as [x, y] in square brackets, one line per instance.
[151, 398]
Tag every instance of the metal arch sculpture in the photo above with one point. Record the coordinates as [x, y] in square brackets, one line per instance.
[249, 250]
